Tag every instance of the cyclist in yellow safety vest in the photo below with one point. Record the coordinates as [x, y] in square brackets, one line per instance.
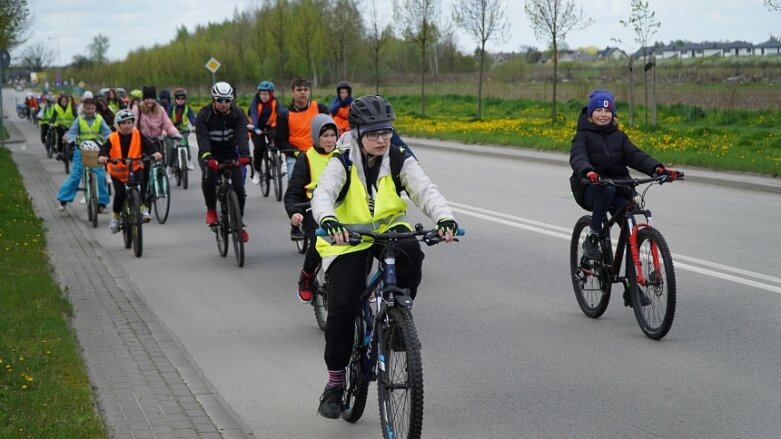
[62, 118]
[306, 173]
[183, 118]
[360, 189]
[89, 126]
[45, 115]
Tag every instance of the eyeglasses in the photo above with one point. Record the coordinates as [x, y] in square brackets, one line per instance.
[180, 98]
[375, 135]
[224, 100]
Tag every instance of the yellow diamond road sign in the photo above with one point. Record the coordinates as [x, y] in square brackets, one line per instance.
[213, 65]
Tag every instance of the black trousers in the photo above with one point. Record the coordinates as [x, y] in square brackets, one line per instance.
[311, 257]
[209, 186]
[346, 282]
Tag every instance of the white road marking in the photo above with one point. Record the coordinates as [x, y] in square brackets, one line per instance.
[715, 270]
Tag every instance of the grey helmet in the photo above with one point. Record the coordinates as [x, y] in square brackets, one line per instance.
[123, 115]
[369, 110]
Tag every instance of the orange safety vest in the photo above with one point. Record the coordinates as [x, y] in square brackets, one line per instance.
[340, 118]
[272, 118]
[300, 127]
[119, 170]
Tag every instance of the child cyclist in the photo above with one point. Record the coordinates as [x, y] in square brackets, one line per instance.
[306, 172]
[601, 149]
[125, 142]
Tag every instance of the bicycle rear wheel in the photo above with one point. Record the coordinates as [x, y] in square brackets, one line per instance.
[136, 221]
[354, 397]
[320, 299]
[592, 284]
[654, 302]
[162, 197]
[400, 382]
[265, 175]
[92, 197]
[235, 227]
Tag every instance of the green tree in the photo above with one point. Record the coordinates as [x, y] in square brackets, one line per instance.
[343, 34]
[551, 20]
[483, 20]
[419, 20]
[15, 22]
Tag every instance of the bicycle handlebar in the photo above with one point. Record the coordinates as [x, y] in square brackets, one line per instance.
[633, 182]
[430, 236]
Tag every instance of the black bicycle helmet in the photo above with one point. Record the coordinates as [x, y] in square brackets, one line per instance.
[344, 84]
[370, 109]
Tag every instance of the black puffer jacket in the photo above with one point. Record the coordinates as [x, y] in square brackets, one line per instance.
[605, 150]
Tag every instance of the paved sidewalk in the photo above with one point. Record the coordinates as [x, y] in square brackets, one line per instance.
[144, 384]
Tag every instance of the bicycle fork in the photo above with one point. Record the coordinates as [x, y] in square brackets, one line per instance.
[635, 250]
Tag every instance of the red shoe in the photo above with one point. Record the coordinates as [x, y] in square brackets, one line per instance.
[244, 235]
[305, 286]
[211, 217]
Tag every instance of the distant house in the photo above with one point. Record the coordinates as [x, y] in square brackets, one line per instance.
[576, 56]
[769, 47]
[707, 49]
[611, 53]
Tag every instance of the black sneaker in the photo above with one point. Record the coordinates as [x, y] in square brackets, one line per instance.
[591, 247]
[331, 402]
[644, 300]
[296, 234]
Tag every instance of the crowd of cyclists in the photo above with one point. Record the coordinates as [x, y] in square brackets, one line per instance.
[350, 146]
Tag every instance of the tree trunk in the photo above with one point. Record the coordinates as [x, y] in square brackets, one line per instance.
[653, 90]
[555, 78]
[631, 92]
[423, 81]
[480, 82]
[376, 71]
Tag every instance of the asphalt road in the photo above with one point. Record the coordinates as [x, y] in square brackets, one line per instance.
[506, 351]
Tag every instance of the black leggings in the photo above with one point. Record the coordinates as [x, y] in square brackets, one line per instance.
[120, 193]
[346, 282]
[209, 187]
[311, 257]
[259, 143]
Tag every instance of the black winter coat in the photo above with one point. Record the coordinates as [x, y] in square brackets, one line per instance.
[605, 150]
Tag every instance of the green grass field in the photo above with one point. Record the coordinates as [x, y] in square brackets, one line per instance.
[44, 391]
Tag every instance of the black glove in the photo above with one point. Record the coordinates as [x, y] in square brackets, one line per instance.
[447, 224]
[331, 225]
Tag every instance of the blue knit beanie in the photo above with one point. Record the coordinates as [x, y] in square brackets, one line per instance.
[601, 98]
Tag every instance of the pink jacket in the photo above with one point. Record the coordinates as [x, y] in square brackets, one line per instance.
[154, 125]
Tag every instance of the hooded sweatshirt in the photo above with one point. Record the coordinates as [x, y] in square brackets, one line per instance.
[304, 171]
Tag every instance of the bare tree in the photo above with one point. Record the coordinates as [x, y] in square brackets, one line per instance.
[98, 48]
[418, 20]
[344, 33]
[643, 21]
[484, 20]
[551, 21]
[772, 5]
[379, 34]
[15, 23]
[36, 57]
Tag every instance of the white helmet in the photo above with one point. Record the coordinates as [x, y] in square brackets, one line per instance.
[90, 145]
[222, 90]
[87, 95]
[123, 115]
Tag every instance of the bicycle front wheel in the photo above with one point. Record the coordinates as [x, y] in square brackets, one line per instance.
[265, 175]
[162, 198]
[234, 215]
[591, 282]
[183, 170]
[654, 301]
[320, 300]
[92, 197]
[400, 382]
[354, 398]
[124, 224]
[50, 139]
[136, 221]
[278, 177]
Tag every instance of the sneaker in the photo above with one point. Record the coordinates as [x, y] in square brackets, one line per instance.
[305, 289]
[169, 171]
[102, 208]
[644, 300]
[331, 402]
[296, 234]
[190, 165]
[591, 247]
[256, 178]
[145, 214]
[244, 235]
[83, 200]
[211, 217]
[113, 225]
[59, 157]
[61, 207]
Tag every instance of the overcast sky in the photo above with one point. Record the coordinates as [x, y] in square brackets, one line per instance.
[130, 25]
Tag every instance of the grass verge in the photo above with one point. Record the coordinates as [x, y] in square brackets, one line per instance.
[44, 391]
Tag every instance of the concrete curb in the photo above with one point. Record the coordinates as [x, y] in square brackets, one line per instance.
[697, 175]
